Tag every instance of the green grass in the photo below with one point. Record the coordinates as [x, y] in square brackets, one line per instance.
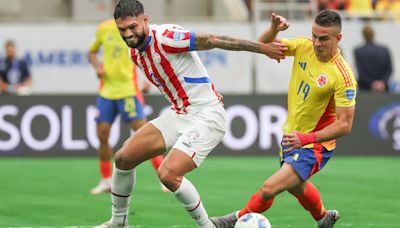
[55, 192]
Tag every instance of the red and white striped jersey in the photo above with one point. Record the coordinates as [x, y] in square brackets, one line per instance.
[169, 61]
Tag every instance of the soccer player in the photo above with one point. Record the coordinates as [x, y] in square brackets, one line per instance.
[321, 104]
[193, 126]
[118, 94]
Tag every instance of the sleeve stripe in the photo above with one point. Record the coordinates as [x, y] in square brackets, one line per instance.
[192, 41]
[345, 73]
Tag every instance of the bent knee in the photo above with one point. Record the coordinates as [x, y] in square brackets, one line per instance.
[269, 191]
[169, 178]
[122, 161]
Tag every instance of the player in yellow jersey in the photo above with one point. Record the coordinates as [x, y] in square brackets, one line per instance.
[321, 105]
[118, 94]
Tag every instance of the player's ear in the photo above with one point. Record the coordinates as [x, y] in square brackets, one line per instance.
[339, 37]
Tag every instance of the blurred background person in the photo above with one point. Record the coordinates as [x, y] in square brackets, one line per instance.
[118, 94]
[333, 4]
[373, 62]
[15, 76]
[360, 8]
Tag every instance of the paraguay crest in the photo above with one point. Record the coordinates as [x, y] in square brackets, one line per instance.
[322, 80]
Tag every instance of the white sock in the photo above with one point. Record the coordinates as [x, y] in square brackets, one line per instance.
[123, 183]
[190, 200]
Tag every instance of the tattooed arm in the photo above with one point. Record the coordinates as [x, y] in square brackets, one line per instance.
[209, 41]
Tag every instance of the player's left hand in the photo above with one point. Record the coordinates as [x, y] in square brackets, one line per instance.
[291, 141]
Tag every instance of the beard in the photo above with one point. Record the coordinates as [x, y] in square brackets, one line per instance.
[137, 42]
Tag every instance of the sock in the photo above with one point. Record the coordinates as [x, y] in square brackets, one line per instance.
[156, 161]
[311, 201]
[256, 204]
[105, 169]
[123, 183]
[188, 196]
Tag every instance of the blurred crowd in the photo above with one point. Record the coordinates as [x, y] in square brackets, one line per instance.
[382, 9]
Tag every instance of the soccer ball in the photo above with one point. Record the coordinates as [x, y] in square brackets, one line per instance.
[253, 220]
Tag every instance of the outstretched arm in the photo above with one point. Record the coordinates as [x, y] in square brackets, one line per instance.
[205, 41]
[278, 23]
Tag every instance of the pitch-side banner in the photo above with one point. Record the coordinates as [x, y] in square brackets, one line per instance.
[65, 125]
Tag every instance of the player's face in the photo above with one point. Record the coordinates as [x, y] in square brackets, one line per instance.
[133, 30]
[325, 41]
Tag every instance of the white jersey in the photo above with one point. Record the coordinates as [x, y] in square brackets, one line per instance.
[169, 61]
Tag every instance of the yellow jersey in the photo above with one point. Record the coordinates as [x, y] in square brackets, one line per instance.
[315, 89]
[120, 79]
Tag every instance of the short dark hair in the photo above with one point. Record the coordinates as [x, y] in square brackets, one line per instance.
[328, 18]
[128, 8]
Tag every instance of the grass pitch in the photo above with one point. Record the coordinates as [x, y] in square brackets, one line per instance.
[55, 192]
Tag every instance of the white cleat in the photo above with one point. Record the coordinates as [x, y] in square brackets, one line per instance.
[164, 188]
[108, 224]
[330, 219]
[104, 186]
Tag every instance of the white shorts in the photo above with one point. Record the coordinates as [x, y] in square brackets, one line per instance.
[196, 133]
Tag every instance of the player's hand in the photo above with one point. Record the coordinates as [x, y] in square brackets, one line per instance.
[100, 71]
[378, 86]
[291, 141]
[279, 23]
[275, 50]
[146, 87]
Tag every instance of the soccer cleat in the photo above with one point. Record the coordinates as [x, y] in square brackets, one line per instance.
[226, 221]
[103, 186]
[164, 188]
[108, 224]
[330, 219]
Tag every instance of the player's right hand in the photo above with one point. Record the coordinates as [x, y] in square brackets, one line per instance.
[275, 50]
[100, 71]
[279, 23]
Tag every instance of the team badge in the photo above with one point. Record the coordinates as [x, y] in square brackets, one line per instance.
[350, 94]
[193, 135]
[322, 80]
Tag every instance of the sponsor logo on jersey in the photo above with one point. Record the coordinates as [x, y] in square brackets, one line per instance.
[322, 80]
[303, 65]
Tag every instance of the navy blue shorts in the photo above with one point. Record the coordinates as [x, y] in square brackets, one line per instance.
[307, 161]
[130, 108]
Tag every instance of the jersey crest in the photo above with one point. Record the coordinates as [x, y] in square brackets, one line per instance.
[322, 80]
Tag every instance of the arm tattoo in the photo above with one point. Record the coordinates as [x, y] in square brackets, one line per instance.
[208, 41]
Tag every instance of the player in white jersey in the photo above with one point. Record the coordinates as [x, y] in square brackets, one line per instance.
[196, 122]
